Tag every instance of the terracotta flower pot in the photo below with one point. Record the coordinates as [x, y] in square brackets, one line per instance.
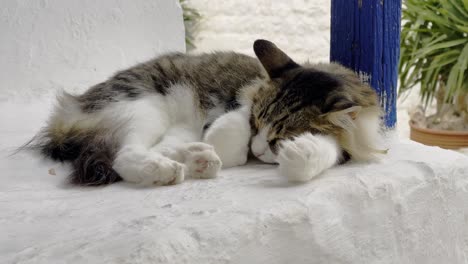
[441, 138]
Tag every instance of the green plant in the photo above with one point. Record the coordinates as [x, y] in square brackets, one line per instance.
[434, 49]
[191, 17]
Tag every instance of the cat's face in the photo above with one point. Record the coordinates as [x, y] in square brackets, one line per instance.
[282, 110]
[298, 99]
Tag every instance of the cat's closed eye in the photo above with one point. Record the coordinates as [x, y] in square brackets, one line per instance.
[273, 145]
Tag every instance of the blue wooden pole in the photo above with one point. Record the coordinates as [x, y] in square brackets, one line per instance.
[365, 36]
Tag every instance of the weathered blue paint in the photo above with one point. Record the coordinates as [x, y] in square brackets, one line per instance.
[365, 36]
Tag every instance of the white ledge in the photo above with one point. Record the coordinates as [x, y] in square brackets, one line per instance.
[411, 208]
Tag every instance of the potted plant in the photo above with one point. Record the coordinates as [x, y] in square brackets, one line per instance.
[434, 55]
[191, 17]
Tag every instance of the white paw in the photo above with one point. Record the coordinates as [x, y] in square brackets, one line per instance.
[201, 161]
[306, 157]
[162, 171]
[235, 127]
[140, 166]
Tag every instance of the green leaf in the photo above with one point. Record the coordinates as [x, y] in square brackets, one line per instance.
[465, 3]
[462, 13]
[429, 49]
[444, 59]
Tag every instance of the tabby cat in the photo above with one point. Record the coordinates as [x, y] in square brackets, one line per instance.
[180, 116]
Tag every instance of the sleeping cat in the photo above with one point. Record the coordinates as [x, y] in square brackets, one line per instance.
[180, 116]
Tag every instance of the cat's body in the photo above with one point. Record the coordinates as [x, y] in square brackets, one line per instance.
[146, 125]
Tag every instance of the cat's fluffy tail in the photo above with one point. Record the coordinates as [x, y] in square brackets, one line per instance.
[72, 137]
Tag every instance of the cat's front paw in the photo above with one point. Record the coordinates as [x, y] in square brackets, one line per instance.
[307, 156]
[235, 127]
[201, 161]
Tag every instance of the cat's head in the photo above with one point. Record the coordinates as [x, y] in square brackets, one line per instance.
[322, 98]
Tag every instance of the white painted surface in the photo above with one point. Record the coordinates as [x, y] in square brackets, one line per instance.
[412, 208]
[301, 27]
[50, 44]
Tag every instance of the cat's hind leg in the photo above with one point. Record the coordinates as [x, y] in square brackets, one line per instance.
[134, 162]
[180, 144]
[138, 165]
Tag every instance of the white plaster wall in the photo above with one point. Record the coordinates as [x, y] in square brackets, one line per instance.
[50, 44]
[301, 27]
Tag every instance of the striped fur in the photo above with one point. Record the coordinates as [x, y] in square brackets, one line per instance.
[184, 94]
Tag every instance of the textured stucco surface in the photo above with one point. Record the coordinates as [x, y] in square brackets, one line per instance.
[50, 44]
[410, 208]
[299, 26]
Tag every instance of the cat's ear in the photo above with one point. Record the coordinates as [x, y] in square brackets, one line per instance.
[274, 60]
[344, 117]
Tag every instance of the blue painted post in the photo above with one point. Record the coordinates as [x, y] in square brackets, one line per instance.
[365, 36]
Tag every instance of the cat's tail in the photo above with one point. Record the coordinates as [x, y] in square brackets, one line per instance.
[71, 136]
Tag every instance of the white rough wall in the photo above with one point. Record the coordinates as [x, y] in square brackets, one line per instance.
[300, 27]
[50, 44]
